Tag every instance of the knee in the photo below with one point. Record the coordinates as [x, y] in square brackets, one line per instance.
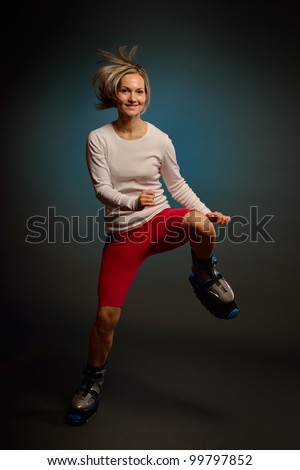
[199, 226]
[205, 229]
[107, 319]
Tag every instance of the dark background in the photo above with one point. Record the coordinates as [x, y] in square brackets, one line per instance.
[225, 85]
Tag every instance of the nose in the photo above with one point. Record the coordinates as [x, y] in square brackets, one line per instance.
[132, 97]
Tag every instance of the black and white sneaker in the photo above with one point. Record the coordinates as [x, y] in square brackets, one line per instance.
[85, 402]
[212, 289]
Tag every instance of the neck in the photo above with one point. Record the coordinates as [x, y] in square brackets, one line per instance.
[130, 128]
[125, 124]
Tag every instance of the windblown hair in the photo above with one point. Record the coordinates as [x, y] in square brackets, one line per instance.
[107, 78]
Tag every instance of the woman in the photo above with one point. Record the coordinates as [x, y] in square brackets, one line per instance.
[126, 159]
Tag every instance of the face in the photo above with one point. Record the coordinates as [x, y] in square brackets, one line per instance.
[131, 95]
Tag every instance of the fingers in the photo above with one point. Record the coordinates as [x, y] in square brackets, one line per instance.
[218, 218]
[212, 217]
[146, 198]
[148, 193]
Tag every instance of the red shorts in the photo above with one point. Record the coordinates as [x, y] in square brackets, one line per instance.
[125, 251]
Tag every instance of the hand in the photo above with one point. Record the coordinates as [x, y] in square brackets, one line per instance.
[218, 218]
[146, 198]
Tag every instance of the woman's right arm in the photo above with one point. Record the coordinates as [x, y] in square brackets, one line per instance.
[100, 176]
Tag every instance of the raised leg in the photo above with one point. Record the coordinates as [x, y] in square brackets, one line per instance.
[208, 283]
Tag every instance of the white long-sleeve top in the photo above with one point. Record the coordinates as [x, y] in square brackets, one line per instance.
[121, 169]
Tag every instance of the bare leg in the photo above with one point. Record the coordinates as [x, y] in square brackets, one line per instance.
[86, 399]
[201, 233]
[102, 333]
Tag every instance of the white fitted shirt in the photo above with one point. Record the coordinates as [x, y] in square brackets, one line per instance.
[121, 169]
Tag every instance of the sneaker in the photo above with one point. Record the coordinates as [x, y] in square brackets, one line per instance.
[212, 289]
[86, 399]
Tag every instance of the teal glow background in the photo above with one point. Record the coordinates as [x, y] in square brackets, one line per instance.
[225, 87]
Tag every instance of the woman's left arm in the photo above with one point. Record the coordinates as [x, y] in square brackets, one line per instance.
[176, 184]
[181, 191]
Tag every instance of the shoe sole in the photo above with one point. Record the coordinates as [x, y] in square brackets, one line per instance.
[79, 418]
[221, 311]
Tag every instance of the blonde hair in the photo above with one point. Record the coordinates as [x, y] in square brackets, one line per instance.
[108, 77]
